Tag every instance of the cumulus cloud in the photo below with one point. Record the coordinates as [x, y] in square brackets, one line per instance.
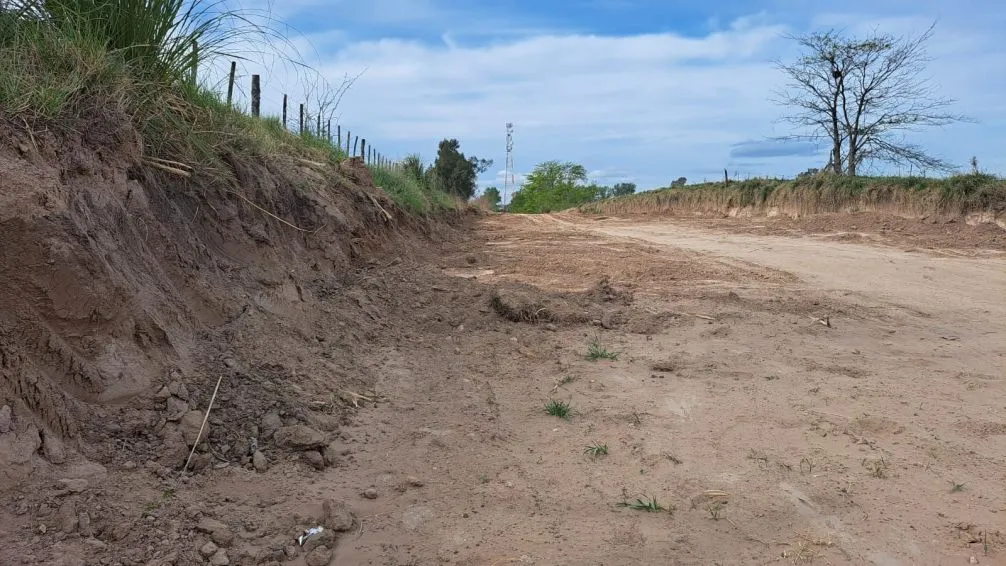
[651, 107]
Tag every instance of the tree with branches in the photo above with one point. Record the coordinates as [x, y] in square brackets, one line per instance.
[863, 96]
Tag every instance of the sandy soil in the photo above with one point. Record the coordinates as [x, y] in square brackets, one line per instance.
[785, 399]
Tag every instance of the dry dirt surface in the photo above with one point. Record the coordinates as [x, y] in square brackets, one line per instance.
[759, 399]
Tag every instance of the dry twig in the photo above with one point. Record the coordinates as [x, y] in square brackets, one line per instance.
[203, 426]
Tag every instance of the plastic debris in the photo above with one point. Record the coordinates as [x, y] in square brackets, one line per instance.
[308, 534]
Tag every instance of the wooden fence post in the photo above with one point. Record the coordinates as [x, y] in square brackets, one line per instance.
[338, 136]
[230, 83]
[301, 118]
[349, 134]
[329, 128]
[726, 178]
[195, 61]
[256, 95]
[317, 130]
[284, 111]
[363, 149]
[355, 141]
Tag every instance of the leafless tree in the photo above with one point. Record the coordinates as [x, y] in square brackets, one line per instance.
[863, 96]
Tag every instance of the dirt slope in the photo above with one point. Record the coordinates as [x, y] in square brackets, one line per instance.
[128, 291]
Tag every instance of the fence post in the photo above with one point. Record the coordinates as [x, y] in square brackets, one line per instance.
[317, 130]
[256, 95]
[230, 83]
[355, 141]
[195, 61]
[329, 128]
[301, 118]
[726, 178]
[363, 149]
[338, 136]
[284, 111]
[349, 134]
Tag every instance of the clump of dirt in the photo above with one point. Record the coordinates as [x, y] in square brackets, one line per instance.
[515, 309]
[521, 302]
[605, 292]
[526, 303]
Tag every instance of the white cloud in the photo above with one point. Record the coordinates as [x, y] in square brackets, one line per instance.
[650, 107]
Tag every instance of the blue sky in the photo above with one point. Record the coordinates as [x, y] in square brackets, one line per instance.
[634, 90]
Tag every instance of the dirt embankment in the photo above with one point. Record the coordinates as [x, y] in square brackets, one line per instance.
[128, 291]
[975, 201]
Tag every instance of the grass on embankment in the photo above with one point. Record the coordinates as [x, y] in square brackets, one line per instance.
[956, 195]
[69, 65]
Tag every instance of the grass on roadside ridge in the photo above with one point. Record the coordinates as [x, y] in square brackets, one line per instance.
[68, 64]
[961, 193]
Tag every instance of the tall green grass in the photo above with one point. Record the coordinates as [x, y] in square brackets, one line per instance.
[412, 191]
[62, 61]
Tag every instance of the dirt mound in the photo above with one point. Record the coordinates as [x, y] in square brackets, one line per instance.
[130, 291]
[602, 305]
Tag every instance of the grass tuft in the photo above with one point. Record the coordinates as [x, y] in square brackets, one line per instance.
[559, 409]
[648, 504]
[596, 351]
[596, 450]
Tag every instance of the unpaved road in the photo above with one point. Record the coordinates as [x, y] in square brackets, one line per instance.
[771, 437]
[765, 436]
[972, 288]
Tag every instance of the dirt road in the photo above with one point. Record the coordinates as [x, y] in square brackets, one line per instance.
[973, 289]
[772, 400]
[767, 436]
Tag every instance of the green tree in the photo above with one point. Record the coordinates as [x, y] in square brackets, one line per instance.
[553, 185]
[453, 172]
[492, 197]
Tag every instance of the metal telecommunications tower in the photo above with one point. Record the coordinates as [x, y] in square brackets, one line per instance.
[508, 182]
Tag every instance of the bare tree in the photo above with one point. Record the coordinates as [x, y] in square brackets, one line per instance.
[862, 96]
[322, 98]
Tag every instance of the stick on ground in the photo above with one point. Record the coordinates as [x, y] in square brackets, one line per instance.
[202, 426]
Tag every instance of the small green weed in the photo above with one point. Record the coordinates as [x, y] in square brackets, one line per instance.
[484, 478]
[559, 409]
[596, 449]
[596, 351]
[955, 487]
[648, 504]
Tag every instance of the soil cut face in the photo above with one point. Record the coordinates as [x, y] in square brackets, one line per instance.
[717, 399]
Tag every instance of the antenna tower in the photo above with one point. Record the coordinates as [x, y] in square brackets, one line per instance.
[508, 181]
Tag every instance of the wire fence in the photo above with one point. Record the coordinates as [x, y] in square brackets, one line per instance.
[312, 124]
